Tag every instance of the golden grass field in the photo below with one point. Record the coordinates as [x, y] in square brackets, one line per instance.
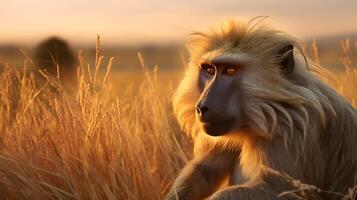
[108, 135]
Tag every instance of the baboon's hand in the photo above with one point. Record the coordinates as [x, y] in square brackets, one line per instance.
[224, 194]
[173, 195]
[202, 176]
[182, 191]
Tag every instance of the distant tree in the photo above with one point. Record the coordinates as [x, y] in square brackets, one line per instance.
[55, 52]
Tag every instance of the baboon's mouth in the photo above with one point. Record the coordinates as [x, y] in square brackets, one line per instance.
[218, 129]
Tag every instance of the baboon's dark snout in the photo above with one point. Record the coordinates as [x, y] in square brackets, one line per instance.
[202, 111]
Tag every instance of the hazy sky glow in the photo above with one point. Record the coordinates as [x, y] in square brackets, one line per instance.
[150, 21]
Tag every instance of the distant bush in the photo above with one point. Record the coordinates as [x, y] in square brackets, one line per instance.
[55, 56]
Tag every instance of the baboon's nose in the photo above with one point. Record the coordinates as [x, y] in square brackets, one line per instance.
[201, 110]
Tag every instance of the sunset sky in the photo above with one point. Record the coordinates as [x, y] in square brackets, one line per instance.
[158, 21]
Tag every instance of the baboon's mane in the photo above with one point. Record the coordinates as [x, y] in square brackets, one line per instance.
[278, 106]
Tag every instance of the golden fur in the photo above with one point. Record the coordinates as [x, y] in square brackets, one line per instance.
[298, 125]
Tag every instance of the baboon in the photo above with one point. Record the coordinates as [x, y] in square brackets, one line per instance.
[259, 113]
[54, 54]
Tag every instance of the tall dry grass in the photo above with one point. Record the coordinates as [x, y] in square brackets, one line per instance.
[78, 140]
[66, 141]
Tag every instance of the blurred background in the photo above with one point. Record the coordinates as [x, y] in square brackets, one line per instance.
[158, 28]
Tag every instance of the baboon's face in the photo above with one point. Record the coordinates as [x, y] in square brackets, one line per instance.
[218, 107]
[224, 98]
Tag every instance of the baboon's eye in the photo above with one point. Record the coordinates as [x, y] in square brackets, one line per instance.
[209, 69]
[230, 71]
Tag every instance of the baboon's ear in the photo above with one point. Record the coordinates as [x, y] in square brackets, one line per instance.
[287, 62]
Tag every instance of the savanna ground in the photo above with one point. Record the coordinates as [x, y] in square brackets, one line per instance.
[107, 135]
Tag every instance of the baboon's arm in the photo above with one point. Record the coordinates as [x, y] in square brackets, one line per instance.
[272, 186]
[201, 176]
[247, 193]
